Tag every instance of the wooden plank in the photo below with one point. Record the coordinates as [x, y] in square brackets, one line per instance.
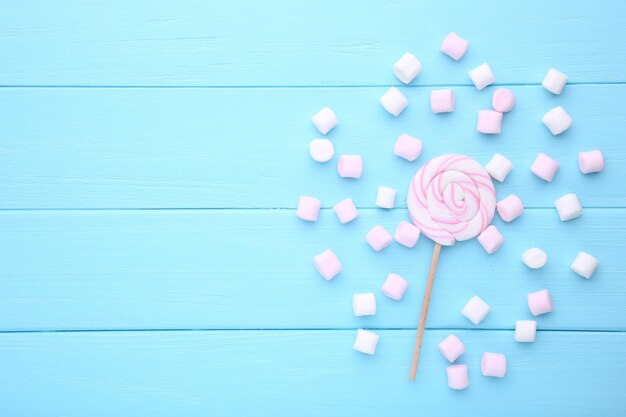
[304, 373]
[248, 148]
[202, 269]
[321, 43]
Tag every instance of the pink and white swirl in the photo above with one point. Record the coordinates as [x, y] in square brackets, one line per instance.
[451, 198]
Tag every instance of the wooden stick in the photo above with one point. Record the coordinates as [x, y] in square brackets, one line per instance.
[425, 303]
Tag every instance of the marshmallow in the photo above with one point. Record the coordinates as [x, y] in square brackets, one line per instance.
[457, 376]
[476, 310]
[325, 120]
[525, 331]
[350, 166]
[364, 304]
[386, 197]
[394, 101]
[544, 167]
[557, 120]
[394, 286]
[493, 364]
[408, 147]
[585, 265]
[568, 207]
[451, 348]
[407, 234]
[442, 101]
[407, 68]
[534, 258]
[454, 46]
[510, 208]
[540, 302]
[491, 239]
[482, 76]
[308, 208]
[327, 264]
[321, 150]
[498, 167]
[489, 122]
[346, 210]
[503, 100]
[592, 161]
[378, 238]
[554, 81]
[366, 341]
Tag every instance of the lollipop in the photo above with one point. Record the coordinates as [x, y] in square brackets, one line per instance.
[451, 198]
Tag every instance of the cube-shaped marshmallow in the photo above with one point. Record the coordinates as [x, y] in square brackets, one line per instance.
[308, 208]
[489, 122]
[510, 208]
[451, 348]
[476, 310]
[545, 167]
[557, 120]
[540, 302]
[482, 76]
[458, 377]
[364, 304]
[493, 364]
[592, 161]
[499, 167]
[503, 100]
[407, 234]
[321, 150]
[394, 286]
[346, 210]
[394, 101]
[386, 197]
[366, 341]
[327, 264]
[525, 331]
[442, 101]
[491, 239]
[407, 68]
[554, 81]
[454, 46]
[350, 166]
[325, 120]
[534, 258]
[408, 147]
[585, 264]
[378, 238]
[568, 207]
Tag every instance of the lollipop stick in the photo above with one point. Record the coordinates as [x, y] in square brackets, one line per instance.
[425, 303]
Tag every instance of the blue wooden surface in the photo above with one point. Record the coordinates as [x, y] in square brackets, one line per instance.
[151, 157]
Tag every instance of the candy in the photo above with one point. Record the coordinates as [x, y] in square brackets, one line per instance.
[408, 147]
[585, 265]
[451, 198]
[325, 120]
[454, 46]
[489, 122]
[364, 304]
[540, 302]
[308, 208]
[499, 167]
[476, 310]
[457, 376]
[534, 258]
[554, 81]
[592, 161]
[346, 210]
[503, 100]
[482, 76]
[525, 331]
[321, 150]
[407, 68]
[568, 207]
[442, 101]
[451, 348]
[493, 364]
[350, 166]
[394, 286]
[491, 239]
[406, 234]
[544, 167]
[394, 101]
[386, 197]
[557, 120]
[327, 264]
[510, 208]
[366, 341]
[378, 238]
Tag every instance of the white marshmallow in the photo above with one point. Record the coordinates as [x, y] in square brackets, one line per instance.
[554, 81]
[386, 197]
[366, 341]
[557, 120]
[482, 76]
[568, 207]
[585, 265]
[534, 258]
[321, 150]
[325, 120]
[407, 68]
[364, 304]
[476, 310]
[499, 167]
[394, 101]
[525, 330]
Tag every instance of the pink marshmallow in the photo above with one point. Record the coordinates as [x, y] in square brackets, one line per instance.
[378, 238]
[350, 166]
[540, 302]
[442, 101]
[503, 100]
[493, 364]
[451, 348]
[592, 161]
[510, 208]
[327, 264]
[394, 286]
[454, 46]
[408, 147]
[458, 377]
[346, 210]
[407, 234]
[544, 167]
[491, 239]
[489, 121]
[308, 208]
